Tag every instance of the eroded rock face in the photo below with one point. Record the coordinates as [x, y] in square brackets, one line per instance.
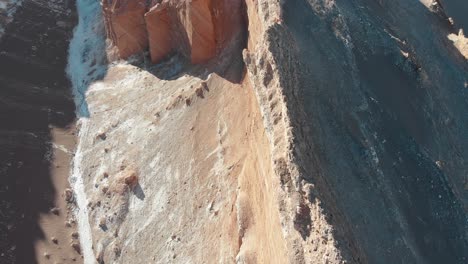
[197, 29]
[158, 23]
[343, 143]
[197, 21]
[125, 25]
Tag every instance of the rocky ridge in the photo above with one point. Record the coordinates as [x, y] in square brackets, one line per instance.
[197, 29]
[307, 158]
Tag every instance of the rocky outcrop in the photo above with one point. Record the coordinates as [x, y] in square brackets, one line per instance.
[125, 25]
[197, 22]
[199, 29]
[158, 24]
[343, 143]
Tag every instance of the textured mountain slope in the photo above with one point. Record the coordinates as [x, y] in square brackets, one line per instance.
[265, 131]
[384, 101]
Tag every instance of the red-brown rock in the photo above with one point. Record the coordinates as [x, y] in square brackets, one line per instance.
[197, 29]
[125, 25]
[198, 24]
[159, 25]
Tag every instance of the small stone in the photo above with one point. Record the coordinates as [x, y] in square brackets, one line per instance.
[68, 194]
[102, 136]
[46, 255]
[116, 250]
[76, 247]
[75, 235]
[199, 92]
[54, 240]
[451, 21]
[100, 257]
[105, 189]
[131, 180]
[105, 175]
[55, 211]
[102, 222]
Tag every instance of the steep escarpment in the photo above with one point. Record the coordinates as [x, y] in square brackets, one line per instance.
[198, 29]
[203, 188]
[270, 218]
[125, 25]
[342, 141]
[383, 126]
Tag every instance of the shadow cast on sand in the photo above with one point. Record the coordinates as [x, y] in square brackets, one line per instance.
[138, 192]
[35, 96]
[229, 64]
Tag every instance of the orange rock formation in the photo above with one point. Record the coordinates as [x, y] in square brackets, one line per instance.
[124, 20]
[197, 29]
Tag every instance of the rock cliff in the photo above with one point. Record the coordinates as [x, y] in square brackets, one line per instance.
[125, 25]
[197, 29]
[269, 131]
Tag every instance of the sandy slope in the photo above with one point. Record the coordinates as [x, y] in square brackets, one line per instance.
[205, 189]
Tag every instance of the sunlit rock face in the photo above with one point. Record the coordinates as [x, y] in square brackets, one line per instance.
[125, 25]
[199, 30]
[159, 25]
[342, 141]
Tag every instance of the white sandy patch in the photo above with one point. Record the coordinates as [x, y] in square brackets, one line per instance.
[81, 212]
[86, 63]
[460, 42]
